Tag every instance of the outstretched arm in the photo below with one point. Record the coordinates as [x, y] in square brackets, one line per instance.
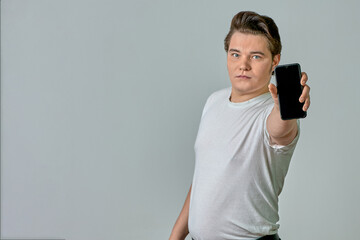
[282, 132]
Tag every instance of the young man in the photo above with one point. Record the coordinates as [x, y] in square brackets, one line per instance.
[243, 147]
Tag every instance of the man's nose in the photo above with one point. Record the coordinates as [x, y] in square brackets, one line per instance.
[244, 64]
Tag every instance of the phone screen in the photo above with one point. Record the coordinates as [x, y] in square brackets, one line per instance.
[289, 91]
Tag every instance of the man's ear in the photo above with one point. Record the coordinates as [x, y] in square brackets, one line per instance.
[275, 62]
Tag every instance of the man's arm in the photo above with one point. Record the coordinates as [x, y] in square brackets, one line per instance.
[283, 132]
[180, 229]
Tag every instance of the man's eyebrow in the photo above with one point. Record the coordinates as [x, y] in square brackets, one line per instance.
[253, 52]
[258, 52]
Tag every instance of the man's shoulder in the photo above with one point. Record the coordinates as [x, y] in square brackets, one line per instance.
[222, 93]
[216, 98]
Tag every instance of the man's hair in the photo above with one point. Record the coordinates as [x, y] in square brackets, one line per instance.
[253, 23]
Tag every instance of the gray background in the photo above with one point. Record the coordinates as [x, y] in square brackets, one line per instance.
[101, 101]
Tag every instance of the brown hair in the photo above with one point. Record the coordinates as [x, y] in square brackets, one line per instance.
[253, 23]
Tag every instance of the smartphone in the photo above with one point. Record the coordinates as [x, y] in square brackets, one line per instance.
[289, 91]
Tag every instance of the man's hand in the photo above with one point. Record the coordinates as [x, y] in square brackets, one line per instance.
[283, 132]
[305, 95]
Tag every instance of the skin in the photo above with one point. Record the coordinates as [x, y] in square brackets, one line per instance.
[250, 65]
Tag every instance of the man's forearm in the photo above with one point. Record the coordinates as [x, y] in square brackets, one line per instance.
[281, 132]
[180, 229]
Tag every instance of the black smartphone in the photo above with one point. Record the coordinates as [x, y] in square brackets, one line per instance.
[289, 91]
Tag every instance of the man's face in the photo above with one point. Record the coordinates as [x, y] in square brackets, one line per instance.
[250, 64]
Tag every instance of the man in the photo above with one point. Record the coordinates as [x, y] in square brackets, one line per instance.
[243, 147]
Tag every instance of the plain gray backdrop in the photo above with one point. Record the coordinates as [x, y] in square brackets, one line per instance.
[101, 102]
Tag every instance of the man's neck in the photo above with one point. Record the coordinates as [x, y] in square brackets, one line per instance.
[238, 97]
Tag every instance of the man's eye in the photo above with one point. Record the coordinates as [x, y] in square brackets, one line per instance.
[235, 55]
[256, 57]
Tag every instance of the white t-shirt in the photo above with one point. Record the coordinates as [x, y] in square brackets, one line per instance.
[238, 174]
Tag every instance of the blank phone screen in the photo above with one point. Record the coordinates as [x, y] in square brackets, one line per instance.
[289, 91]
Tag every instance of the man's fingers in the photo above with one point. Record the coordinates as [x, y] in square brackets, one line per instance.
[273, 90]
[306, 104]
[305, 93]
[304, 78]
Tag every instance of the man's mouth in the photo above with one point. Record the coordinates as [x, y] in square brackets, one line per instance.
[242, 77]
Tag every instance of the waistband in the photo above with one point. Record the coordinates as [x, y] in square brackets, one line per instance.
[268, 237]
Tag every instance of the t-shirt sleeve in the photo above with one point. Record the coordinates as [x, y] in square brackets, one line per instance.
[207, 105]
[276, 147]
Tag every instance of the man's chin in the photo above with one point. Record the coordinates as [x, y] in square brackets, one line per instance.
[241, 89]
[247, 91]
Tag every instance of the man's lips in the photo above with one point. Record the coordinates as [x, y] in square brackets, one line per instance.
[242, 77]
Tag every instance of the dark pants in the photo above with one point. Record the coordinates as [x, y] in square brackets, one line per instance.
[269, 237]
